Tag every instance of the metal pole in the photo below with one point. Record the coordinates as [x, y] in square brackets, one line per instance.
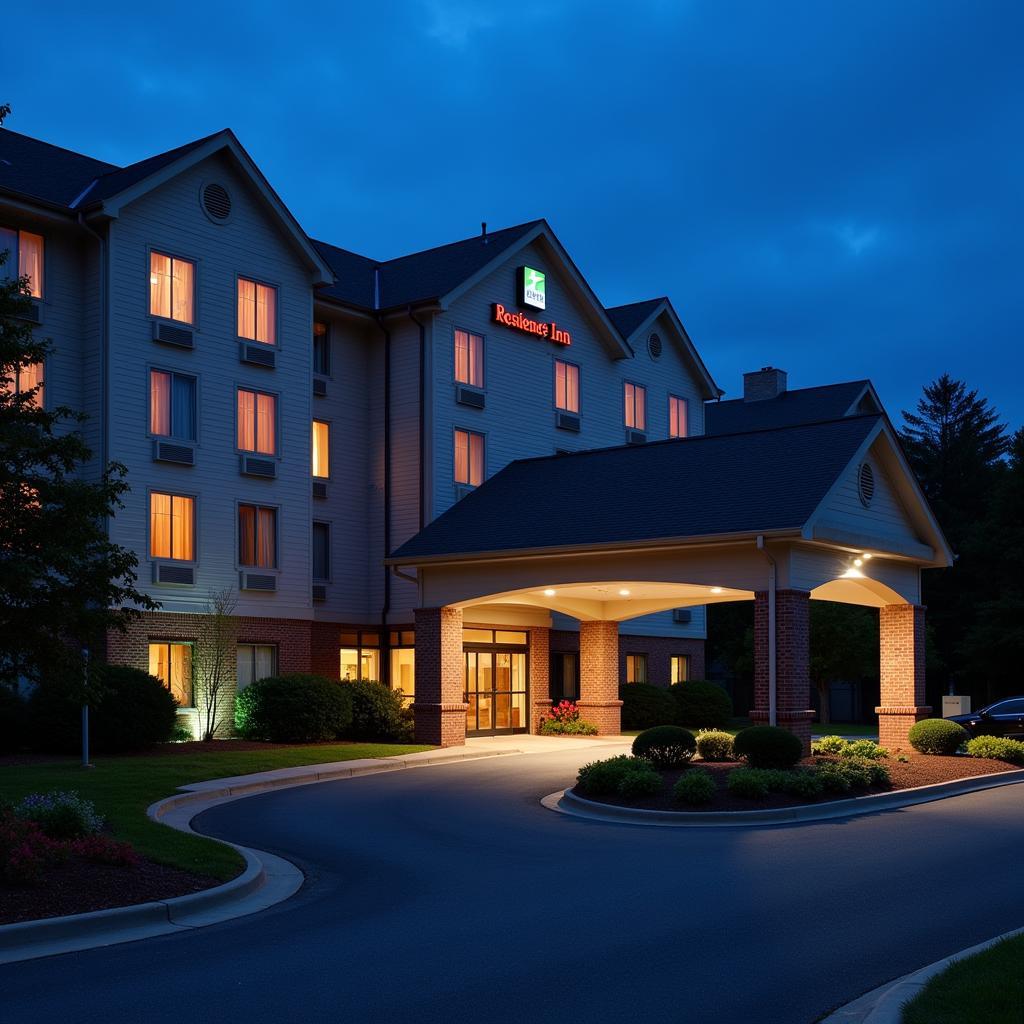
[85, 709]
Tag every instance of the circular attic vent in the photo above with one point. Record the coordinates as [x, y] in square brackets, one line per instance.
[216, 202]
[865, 483]
[654, 346]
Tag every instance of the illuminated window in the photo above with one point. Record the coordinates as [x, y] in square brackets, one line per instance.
[257, 311]
[171, 287]
[257, 536]
[679, 668]
[676, 416]
[567, 386]
[171, 663]
[321, 350]
[359, 657]
[403, 672]
[636, 668]
[25, 379]
[636, 406]
[172, 405]
[254, 662]
[469, 458]
[469, 358]
[321, 551]
[172, 527]
[24, 258]
[257, 419]
[321, 449]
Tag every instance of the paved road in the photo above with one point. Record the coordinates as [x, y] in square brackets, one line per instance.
[448, 894]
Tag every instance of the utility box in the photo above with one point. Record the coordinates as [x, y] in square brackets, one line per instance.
[955, 706]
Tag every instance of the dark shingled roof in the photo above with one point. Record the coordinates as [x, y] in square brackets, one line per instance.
[43, 172]
[354, 285]
[629, 317]
[701, 486]
[806, 405]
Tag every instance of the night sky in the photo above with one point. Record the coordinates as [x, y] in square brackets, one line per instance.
[834, 188]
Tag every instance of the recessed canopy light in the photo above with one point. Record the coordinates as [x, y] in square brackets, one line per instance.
[866, 555]
[858, 562]
[716, 590]
[623, 593]
[549, 592]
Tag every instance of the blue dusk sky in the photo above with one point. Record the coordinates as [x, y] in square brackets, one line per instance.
[833, 188]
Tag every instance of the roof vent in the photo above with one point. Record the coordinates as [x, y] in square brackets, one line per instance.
[865, 484]
[767, 382]
[216, 202]
[654, 346]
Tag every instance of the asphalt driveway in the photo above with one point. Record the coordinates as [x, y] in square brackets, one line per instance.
[448, 894]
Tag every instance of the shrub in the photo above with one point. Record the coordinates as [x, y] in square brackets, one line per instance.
[378, 713]
[665, 746]
[599, 778]
[182, 733]
[937, 736]
[295, 708]
[714, 745]
[829, 745]
[12, 719]
[61, 815]
[564, 720]
[645, 706]
[641, 780]
[998, 748]
[26, 850]
[701, 703]
[103, 849]
[751, 783]
[867, 749]
[695, 787]
[851, 773]
[768, 746]
[802, 783]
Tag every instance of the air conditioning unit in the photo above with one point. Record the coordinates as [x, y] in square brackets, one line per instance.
[461, 490]
[319, 593]
[257, 581]
[636, 437]
[567, 421]
[319, 488]
[682, 615]
[251, 465]
[258, 354]
[33, 314]
[319, 387]
[168, 334]
[469, 396]
[172, 451]
[169, 572]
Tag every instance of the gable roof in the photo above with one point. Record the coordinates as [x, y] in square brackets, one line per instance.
[758, 482]
[804, 405]
[629, 317]
[43, 172]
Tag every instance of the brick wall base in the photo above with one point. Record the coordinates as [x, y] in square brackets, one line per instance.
[443, 725]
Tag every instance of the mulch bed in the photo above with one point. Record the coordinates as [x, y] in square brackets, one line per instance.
[920, 770]
[78, 886]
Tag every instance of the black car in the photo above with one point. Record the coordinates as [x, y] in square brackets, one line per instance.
[1003, 718]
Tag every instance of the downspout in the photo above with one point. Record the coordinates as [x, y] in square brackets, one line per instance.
[385, 639]
[763, 548]
[423, 392]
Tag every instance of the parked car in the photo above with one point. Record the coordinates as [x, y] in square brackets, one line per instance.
[1003, 718]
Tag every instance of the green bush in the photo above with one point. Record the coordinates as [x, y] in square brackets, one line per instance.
[998, 748]
[867, 749]
[553, 727]
[645, 706]
[701, 703]
[829, 745]
[768, 746]
[61, 815]
[642, 780]
[695, 787]
[844, 774]
[750, 783]
[714, 745]
[12, 719]
[665, 746]
[937, 736]
[296, 708]
[379, 713]
[600, 778]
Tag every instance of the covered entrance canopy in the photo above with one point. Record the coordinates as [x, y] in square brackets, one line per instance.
[780, 516]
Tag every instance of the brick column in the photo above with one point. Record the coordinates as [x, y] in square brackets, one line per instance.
[439, 709]
[599, 701]
[901, 649]
[540, 666]
[792, 662]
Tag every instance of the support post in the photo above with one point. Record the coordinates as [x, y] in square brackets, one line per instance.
[901, 661]
[599, 701]
[540, 668]
[439, 707]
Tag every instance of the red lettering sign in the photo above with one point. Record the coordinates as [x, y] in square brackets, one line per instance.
[521, 322]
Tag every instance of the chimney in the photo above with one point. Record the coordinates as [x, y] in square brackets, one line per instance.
[483, 231]
[764, 383]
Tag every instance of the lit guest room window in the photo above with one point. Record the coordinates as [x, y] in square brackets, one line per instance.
[469, 359]
[636, 668]
[171, 527]
[257, 311]
[676, 416]
[172, 405]
[172, 665]
[24, 258]
[469, 458]
[321, 449]
[23, 379]
[171, 287]
[567, 386]
[680, 668]
[257, 416]
[257, 536]
[321, 350]
[636, 407]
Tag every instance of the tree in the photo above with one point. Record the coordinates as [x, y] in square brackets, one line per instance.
[211, 662]
[844, 646]
[63, 584]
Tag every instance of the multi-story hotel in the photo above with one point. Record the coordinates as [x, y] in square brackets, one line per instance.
[305, 427]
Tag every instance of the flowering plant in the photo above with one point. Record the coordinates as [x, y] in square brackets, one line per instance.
[564, 719]
[564, 711]
[61, 815]
[25, 850]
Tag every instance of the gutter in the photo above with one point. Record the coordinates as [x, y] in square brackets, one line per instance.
[386, 607]
[772, 666]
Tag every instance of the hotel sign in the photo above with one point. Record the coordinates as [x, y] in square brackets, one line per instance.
[538, 328]
[532, 287]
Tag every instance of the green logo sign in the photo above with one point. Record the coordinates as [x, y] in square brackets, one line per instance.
[532, 291]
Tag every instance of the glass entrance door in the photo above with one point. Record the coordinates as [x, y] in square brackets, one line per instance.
[495, 691]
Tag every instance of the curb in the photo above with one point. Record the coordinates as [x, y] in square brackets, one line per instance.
[884, 1005]
[567, 802]
[265, 880]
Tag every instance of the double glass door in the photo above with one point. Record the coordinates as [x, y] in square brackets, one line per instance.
[495, 691]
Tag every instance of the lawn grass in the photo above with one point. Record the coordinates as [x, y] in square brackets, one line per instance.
[987, 988]
[123, 787]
